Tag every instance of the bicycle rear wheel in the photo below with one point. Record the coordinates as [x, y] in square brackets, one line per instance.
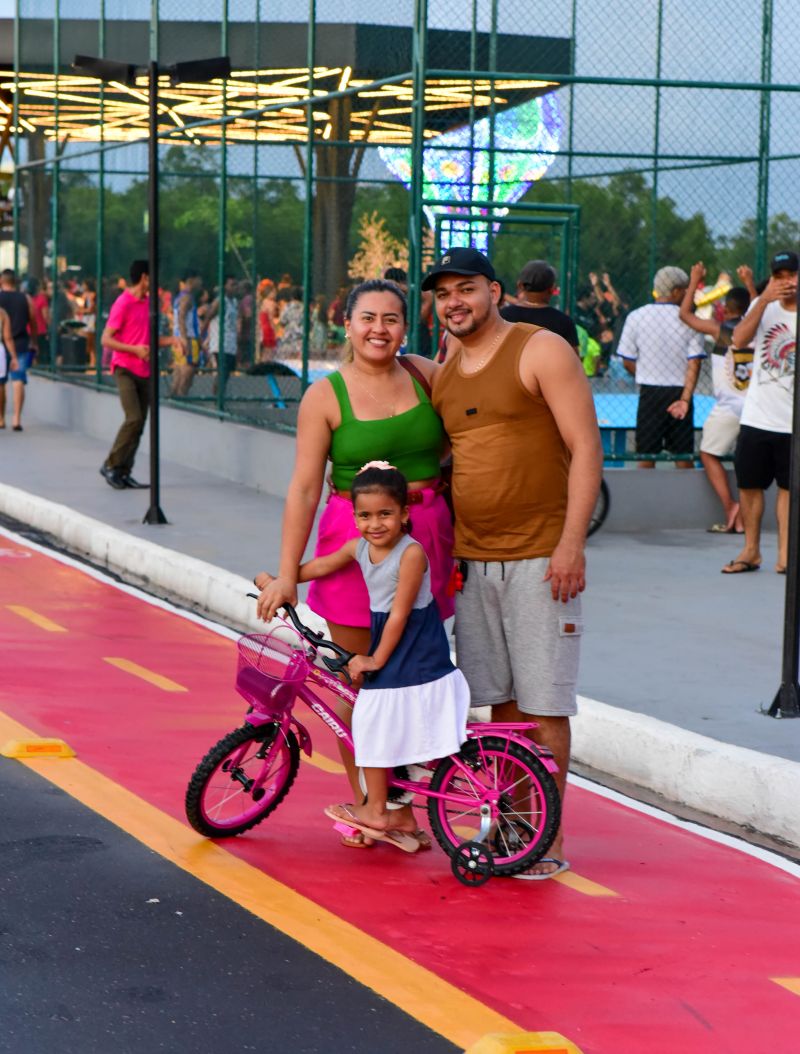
[527, 810]
[241, 780]
[600, 509]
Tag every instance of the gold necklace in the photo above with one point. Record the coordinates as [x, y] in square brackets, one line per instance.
[375, 399]
[485, 355]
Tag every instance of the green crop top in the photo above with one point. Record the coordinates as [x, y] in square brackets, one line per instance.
[411, 441]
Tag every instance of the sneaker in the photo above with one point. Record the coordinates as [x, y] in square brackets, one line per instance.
[129, 481]
[112, 477]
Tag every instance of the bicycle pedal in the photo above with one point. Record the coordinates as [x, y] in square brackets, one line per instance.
[345, 829]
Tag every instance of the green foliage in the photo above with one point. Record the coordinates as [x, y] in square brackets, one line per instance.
[263, 221]
[265, 226]
[782, 233]
[389, 201]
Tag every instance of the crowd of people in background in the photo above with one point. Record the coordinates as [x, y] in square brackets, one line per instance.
[265, 321]
[658, 349]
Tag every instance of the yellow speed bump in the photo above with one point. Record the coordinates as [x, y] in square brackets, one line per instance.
[37, 748]
[523, 1043]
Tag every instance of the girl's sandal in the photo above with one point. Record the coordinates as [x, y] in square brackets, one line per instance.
[358, 841]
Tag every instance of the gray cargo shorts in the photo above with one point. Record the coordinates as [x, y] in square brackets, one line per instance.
[513, 641]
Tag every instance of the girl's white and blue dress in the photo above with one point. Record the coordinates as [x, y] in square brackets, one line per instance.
[414, 708]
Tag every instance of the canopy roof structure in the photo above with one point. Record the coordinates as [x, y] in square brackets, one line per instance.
[267, 103]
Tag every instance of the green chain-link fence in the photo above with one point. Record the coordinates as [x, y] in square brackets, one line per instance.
[609, 138]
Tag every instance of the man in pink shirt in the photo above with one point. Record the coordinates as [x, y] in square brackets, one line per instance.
[127, 333]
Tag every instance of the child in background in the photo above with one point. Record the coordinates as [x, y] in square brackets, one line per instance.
[413, 702]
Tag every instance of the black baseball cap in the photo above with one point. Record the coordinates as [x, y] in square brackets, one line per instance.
[784, 261]
[537, 276]
[460, 261]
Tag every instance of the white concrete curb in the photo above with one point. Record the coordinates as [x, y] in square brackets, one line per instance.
[743, 786]
[739, 785]
[201, 586]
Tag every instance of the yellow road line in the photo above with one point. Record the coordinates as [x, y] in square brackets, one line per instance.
[584, 885]
[319, 761]
[38, 620]
[146, 675]
[417, 991]
[792, 983]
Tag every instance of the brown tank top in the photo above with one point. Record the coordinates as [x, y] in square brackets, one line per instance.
[510, 464]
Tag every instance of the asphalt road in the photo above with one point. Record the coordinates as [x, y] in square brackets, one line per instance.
[106, 947]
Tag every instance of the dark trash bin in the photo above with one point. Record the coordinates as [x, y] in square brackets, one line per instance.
[72, 350]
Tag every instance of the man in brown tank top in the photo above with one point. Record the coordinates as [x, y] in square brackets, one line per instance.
[527, 462]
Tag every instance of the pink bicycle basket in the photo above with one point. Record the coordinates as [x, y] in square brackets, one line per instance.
[270, 669]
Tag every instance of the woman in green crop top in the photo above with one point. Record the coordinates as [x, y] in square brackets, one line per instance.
[372, 409]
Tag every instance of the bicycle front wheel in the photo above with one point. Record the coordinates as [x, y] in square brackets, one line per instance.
[527, 809]
[242, 780]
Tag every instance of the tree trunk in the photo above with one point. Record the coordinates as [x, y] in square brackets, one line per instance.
[35, 219]
[333, 203]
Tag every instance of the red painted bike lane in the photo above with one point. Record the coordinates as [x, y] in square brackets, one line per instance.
[664, 942]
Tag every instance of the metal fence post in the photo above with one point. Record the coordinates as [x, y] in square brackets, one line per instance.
[222, 234]
[419, 63]
[764, 140]
[308, 231]
[787, 699]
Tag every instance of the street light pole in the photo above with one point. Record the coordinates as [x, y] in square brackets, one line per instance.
[125, 73]
[154, 513]
[787, 699]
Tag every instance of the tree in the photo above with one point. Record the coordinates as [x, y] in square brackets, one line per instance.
[615, 233]
[782, 233]
[377, 250]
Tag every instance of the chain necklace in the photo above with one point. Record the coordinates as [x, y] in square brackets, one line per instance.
[485, 356]
[375, 399]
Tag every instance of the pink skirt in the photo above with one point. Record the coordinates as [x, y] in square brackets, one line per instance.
[342, 597]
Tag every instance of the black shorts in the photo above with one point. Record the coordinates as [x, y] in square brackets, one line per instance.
[762, 457]
[656, 430]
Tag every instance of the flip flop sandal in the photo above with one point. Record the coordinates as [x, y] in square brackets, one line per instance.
[348, 824]
[407, 842]
[561, 867]
[743, 565]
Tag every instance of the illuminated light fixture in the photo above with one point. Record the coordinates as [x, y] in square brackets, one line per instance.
[379, 114]
[461, 171]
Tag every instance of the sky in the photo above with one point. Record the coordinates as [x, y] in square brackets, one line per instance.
[614, 38]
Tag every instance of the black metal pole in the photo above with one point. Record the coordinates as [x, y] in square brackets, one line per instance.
[787, 700]
[154, 513]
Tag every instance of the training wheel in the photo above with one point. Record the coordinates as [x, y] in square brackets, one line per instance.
[472, 864]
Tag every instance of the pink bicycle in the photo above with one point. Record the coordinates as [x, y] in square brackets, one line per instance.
[493, 807]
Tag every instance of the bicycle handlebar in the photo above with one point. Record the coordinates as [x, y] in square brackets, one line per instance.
[318, 641]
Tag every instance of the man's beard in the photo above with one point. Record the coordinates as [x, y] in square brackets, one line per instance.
[472, 323]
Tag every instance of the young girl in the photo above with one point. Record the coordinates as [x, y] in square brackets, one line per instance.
[412, 704]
